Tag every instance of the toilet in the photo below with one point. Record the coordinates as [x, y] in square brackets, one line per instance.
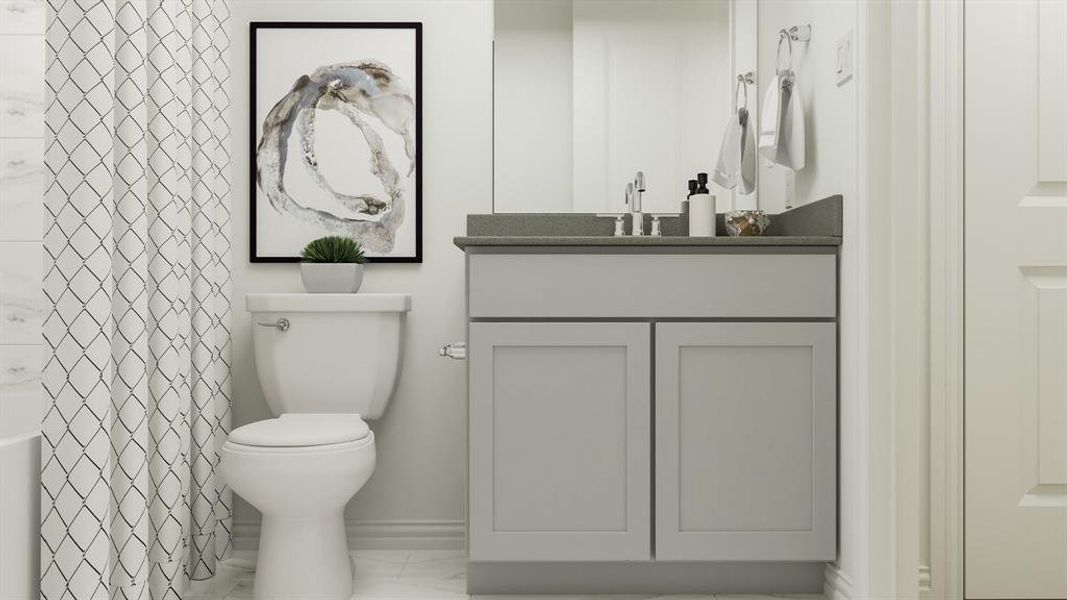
[327, 363]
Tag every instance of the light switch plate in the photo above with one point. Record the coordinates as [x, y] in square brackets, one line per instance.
[843, 62]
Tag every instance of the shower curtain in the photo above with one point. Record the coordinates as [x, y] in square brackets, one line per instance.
[137, 336]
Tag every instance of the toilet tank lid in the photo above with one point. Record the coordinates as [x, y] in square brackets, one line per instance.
[301, 430]
[360, 302]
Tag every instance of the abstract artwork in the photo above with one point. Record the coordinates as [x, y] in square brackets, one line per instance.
[336, 138]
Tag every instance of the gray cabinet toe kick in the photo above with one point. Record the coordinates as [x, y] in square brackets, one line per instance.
[651, 423]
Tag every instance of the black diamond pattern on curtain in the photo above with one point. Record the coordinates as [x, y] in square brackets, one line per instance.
[138, 331]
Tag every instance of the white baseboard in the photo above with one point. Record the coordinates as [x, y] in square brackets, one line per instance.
[378, 535]
[837, 585]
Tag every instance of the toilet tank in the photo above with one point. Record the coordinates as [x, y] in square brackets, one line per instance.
[328, 353]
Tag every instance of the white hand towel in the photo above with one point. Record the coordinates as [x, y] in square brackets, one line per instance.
[782, 133]
[737, 157]
[747, 185]
[769, 120]
[792, 140]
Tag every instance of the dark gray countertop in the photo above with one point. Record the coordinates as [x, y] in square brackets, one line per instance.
[816, 224]
[646, 240]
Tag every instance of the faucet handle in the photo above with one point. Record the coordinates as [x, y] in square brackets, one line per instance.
[639, 181]
[656, 231]
[620, 222]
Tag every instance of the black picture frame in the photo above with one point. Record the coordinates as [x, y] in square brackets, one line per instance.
[254, 125]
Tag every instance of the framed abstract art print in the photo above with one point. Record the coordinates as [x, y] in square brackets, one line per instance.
[336, 134]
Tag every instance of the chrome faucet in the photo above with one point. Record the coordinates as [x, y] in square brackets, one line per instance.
[633, 200]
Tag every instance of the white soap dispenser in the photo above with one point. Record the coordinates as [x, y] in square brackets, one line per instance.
[702, 209]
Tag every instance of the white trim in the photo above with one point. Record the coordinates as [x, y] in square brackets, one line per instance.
[378, 535]
[909, 287]
[945, 536]
[875, 576]
[894, 181]
[837, 585]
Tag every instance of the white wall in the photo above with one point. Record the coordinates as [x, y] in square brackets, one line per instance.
[829, 109]
[833, 152]
[533, 83]
[22, 57]
[420, 482]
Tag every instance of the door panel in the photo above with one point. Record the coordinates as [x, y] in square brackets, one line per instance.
[1016, 299]
[620, 129]
[746, 441]
[560, 441]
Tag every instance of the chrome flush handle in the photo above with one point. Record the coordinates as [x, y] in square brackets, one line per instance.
[281, 324]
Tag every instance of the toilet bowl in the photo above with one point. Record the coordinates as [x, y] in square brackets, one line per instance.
[300, 471]
[327, 364]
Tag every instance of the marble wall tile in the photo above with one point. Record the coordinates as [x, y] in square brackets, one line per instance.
[20, 413]
[22, 90]
[20, 368]
[21, 189]
[22, 16]
[21, 297]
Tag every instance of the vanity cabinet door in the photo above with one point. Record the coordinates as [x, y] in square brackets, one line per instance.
[746, 441]
[560, 436]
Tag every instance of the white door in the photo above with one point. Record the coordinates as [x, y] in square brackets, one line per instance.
[625, 51]
[1016, 299]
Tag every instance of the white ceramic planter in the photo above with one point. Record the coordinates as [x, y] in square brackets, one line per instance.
[331, 278]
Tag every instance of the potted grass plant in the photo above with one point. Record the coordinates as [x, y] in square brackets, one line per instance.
[332, 264]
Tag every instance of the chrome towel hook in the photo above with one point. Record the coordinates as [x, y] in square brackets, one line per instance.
[743, 81]
[799, 33]
[795, 33]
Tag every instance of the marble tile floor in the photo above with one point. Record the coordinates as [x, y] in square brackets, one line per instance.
[421, 574]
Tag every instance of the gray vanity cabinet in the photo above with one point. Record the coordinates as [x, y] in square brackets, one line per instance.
[560, 436]
[745, 441]
[640, 408]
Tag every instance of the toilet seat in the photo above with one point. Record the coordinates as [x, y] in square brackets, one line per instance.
[301, 431]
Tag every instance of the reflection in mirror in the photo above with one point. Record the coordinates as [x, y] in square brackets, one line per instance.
[588, 92]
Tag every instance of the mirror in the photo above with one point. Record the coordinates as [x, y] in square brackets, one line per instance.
[588, 92]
